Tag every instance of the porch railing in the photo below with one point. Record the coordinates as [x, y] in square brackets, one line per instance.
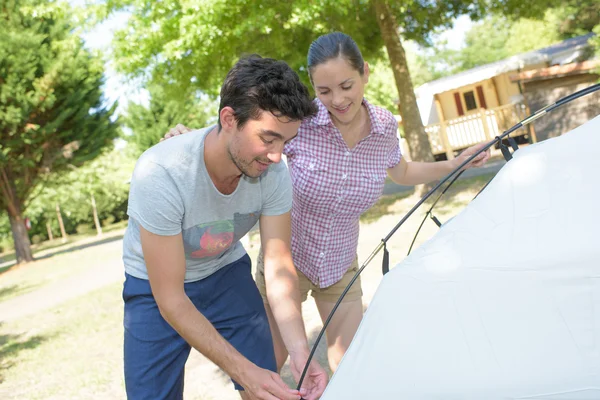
[455, 134]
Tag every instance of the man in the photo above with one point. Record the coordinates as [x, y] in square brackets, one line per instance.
[188, 280]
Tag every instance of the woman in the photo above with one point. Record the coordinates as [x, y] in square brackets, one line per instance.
[338, 163]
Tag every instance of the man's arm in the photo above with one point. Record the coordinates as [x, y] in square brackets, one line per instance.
[281, 282]
[165, 262]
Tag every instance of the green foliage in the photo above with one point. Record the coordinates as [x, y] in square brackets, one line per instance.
[193, 43]
[577, 17]
[497, 38]
[148, 124]
[106, 178]
[381, 89]
[521, 29]
[570, 17]
[596, 40]
[426, 63]
[180, 44]
[6, 240]
[51, 109]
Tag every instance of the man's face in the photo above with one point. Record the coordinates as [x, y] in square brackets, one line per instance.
[260, 143]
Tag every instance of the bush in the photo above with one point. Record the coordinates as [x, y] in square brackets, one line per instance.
[37, 239]
[109, 220]
[83, 228]
[6, 244]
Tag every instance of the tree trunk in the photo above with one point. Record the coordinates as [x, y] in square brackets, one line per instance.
[21, 238]
[12, 203]
[49, 229]
[96, 219]
[61, 224]
[414, 132]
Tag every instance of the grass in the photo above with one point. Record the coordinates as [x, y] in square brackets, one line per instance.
[70, 352]
[57, 263]
[453, 200]
[382, 207]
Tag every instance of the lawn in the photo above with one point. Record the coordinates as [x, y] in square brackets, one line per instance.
[72, 351]
[54, 263]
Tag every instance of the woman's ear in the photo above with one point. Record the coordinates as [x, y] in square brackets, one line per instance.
[366, 74]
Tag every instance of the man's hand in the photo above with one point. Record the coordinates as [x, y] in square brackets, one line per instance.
[262, 384]
[478, 161]
[178, 130]
[315, 380]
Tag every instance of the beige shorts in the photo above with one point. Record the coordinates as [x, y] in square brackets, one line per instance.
[328, 294]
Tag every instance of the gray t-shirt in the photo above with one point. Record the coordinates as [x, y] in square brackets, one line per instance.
[171, 192]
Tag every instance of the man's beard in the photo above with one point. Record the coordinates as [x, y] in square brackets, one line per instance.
[242, 165]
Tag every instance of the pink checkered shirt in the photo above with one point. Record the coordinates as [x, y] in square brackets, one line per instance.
[333, 185]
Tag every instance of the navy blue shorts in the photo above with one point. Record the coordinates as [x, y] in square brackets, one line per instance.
[155, 354]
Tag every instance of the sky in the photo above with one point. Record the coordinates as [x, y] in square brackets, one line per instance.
[117, 88]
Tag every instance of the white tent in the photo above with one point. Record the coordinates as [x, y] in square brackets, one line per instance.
[504, 301]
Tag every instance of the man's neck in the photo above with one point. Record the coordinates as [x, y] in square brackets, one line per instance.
[222, 171]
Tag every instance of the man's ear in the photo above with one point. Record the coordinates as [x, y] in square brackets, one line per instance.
[227, 117]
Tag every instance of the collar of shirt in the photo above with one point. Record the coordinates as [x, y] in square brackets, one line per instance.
[323, 117]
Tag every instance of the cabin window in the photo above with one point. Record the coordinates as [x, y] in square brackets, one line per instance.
[470, 101]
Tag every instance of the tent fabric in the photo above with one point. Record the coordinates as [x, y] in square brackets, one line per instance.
[504, 301]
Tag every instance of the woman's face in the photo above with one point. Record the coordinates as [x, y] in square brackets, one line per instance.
[340, 88]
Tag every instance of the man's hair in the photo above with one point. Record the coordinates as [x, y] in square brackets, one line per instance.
[256, 84]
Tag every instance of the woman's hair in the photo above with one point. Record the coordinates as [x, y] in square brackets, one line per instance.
[332, 46]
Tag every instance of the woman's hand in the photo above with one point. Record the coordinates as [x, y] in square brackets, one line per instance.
[178, 130]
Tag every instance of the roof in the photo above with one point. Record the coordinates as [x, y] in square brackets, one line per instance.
[561, 53]
[555, 71]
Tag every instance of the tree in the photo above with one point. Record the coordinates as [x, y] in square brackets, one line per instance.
[500, 36]
[148, 124]
[194, 43]
[414, 131]
[51, 109]
[105, 179]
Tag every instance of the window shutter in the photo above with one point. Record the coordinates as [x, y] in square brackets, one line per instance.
[481, 97]
[459, 106]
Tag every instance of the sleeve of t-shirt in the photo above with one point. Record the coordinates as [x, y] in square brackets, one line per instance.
[277, 191]
[154, 199]
[391, 131]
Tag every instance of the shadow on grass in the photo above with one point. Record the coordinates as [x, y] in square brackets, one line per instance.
[450, 201]
[81, 247]
[68, 250]
[12, 344]
[6, 268]
[286, 373]
[8, 257]
[13, 291]
[320, 356]
[381, 208]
